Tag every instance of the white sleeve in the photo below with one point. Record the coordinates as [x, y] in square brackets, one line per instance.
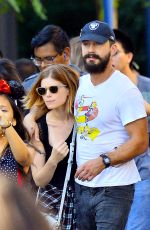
[130, 106]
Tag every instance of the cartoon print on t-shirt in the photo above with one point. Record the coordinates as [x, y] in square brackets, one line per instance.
[86, 111]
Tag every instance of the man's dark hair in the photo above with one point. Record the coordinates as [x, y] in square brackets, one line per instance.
[53, 34]
[125, 41]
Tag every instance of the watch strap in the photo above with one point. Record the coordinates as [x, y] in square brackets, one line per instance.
[106, 160]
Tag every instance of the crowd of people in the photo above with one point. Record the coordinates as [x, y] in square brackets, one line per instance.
[88, 84]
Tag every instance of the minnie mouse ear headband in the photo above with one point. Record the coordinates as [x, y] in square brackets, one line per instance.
[12, 88]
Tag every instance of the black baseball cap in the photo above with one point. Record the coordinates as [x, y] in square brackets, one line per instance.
[97, 31]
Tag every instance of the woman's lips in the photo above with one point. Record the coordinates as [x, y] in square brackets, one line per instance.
[49, 102]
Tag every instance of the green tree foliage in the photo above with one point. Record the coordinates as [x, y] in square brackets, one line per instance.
[70, 15]
[33, 15]
[19, 5]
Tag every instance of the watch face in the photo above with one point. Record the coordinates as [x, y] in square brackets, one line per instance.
[107, 160]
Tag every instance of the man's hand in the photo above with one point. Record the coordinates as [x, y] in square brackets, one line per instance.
[31, 126]
[90, 169]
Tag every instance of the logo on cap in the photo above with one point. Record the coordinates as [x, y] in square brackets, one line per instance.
[94, 25]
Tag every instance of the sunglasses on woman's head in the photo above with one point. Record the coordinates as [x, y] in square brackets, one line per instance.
[52, 89]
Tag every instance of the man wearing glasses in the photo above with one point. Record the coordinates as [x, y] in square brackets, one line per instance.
[49, 46]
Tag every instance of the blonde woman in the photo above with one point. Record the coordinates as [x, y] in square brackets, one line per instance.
[55, 90]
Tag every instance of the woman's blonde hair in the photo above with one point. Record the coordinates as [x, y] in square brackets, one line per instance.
[59, 72]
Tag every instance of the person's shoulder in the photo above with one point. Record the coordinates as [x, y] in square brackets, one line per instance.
[32, 77]
[143, 78]
[143, 84]
[28, 82]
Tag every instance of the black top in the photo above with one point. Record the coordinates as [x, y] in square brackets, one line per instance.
[60, 172]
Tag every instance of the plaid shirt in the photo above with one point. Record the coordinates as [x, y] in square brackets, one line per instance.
[50, 198]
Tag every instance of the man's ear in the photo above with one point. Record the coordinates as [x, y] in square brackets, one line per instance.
[113, 49]
[130, 57]
[67, 54]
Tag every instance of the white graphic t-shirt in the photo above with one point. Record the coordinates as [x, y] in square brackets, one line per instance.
[101, 112]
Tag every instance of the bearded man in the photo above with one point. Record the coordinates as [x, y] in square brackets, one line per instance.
[111, 131]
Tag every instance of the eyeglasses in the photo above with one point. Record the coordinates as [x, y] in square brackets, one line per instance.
[46, 60]
[52, 89]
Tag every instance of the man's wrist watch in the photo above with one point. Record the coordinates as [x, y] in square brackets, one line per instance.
[106, 160]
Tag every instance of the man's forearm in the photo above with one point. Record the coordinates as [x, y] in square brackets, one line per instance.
[128, 151]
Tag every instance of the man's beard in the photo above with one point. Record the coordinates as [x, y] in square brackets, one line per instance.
[91, 67]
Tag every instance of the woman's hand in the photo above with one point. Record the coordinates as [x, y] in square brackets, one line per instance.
[43, 171]
[59, 152]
